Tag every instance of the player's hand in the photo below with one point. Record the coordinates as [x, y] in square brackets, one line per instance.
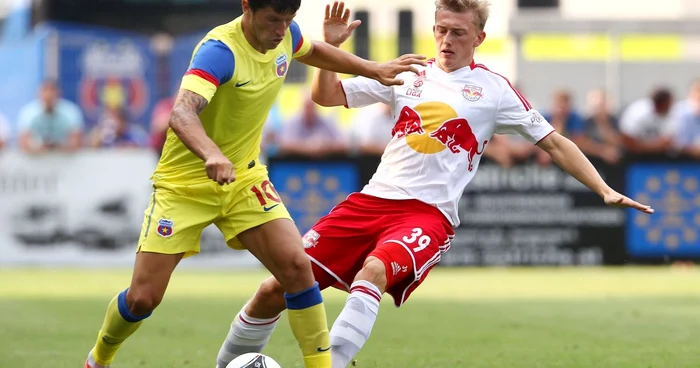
[618, 200]
[386, 73]
[220, 169]
[336, 28]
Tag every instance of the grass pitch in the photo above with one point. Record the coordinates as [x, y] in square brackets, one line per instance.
[500, 318]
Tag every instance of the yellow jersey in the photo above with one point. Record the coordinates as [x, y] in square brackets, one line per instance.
[241, 85]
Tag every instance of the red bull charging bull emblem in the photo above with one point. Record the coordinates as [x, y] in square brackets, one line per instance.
[433, 127]
[471, 92]
[457, 135]
[409, 123]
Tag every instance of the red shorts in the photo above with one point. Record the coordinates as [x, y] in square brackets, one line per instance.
[409, 236]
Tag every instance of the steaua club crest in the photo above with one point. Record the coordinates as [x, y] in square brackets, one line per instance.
[471, 92]
[113, 92]
[112, 74]
[281, 65]
[165, 228]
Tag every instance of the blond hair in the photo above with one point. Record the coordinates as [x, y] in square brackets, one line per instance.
[479, 7]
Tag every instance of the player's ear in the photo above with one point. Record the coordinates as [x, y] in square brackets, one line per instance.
[245, 6]
[479, 39]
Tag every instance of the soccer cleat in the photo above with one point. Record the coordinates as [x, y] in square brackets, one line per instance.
[90, 361]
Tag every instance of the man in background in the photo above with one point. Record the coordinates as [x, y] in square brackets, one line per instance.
[687, 118]
[601, 138]
[371, 129]
[310, 134]
[4, 132]
[50, 123]
[646, 125]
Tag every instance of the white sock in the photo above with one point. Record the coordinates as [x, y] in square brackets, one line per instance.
[354, 324]
[247, 335]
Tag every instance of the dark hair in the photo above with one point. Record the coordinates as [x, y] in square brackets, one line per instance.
[661, 96]
[50, 83]
[279, 6]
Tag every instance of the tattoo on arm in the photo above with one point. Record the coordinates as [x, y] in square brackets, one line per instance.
[188, 105]
[186, 124]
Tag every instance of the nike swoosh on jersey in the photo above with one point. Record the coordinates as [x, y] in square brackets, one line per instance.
[322, 350]
[266, 209]
[238, 84]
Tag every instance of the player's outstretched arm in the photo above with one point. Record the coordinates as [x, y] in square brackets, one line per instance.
[326, 89]
[326, 56]
[185, 123]
[570, 158]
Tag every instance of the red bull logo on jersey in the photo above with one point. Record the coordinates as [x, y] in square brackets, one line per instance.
[457, 135]
[432, 127]
[165, 228]
[409, 123]
[281, 65]
[472, 93]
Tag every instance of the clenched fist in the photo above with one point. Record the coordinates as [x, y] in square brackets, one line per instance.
[220, 169]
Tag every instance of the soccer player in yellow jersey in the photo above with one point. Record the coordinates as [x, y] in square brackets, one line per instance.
[209, 172]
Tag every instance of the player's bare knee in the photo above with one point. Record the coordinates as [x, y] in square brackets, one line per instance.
[296, 274]
[373, 271]
[142, 301]
[268, 301]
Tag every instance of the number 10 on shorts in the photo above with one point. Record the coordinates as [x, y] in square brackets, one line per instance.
[417, 234]
[266, 192]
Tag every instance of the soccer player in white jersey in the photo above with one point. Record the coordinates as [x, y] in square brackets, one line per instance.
[390, 235]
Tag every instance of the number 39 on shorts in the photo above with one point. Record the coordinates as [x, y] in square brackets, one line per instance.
[417, 236]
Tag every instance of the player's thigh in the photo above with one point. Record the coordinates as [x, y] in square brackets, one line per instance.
[409, 251]
[250, 202]
[175, 218]
[338, 245]
[277, 244]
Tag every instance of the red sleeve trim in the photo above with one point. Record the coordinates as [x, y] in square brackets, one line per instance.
[204, 75]
[298, 45]
[522, 98]
[548, 134]
[344, 94]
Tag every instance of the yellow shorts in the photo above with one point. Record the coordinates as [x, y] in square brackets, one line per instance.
[177, 214]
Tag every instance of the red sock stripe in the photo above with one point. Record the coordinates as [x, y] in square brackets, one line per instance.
[366, 290]
[257, 324]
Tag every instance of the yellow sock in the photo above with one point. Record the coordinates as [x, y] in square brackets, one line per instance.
[307, 317]
[118, 325]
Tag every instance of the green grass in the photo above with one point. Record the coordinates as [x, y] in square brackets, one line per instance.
[500, 318]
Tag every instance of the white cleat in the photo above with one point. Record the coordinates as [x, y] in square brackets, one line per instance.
[90, 361]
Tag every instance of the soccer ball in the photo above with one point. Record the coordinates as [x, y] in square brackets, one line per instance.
[253, 360]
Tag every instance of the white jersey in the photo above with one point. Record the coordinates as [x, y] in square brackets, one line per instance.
[443, 124]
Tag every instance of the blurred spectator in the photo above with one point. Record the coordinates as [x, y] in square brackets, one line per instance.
[160, 122]
[519, 149]
[646, 125]
[499, 150]
[113, 129]
[310, 134]
[562, 116]
[687, 116]
[600, 138]
[371, 129]
[4, 132]
[50, 122]
[271, 132]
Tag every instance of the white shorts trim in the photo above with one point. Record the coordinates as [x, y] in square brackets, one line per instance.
[319, 264]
